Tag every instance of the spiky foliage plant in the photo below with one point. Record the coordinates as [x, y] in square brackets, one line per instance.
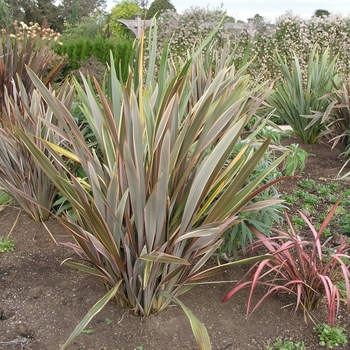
[298, 267]
[20, 175]
[154, 208]
[299, 94]
[337, 119]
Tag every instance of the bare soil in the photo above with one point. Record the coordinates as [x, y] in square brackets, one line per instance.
[42, 300]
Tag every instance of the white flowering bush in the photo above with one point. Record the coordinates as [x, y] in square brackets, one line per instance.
[186, 31]
[294, 34]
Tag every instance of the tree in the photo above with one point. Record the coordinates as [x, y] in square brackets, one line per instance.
[125, 9]
[48, 12]
[258, 19]
[88, 28]
[36, 11]
[76, 10]
[22, 10]
[322, 13]
[143, 5]
[5, 16]
[159, 6]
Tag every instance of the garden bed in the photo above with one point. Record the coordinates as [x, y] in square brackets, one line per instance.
[42, 301]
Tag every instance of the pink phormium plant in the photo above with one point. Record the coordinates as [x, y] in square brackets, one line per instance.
[299, 268]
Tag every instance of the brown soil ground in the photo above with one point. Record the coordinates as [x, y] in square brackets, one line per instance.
[42, 301]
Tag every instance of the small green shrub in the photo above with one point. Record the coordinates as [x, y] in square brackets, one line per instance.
[323, 191]
[302, 194]
[345, 224]
[330, 336]
[312, 199]
[122, 53]
[309, 208]
[290, 199]
[326, 232]
[334, 186]
[286, 344]
[77, 53]
[295, 159]
[297, 221]
[7, 244]
[346, 200]
[307, 184]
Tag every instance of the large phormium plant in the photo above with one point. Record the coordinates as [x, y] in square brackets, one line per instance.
[155, 208]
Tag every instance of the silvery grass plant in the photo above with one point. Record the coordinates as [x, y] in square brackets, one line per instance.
[160, 190]
[298, 95]
[20, 175]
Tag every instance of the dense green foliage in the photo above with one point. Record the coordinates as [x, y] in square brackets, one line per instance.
[322, 13]
[80, 51]
[5, 16]
[39, 11]
[87, 28]
[53, 14]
